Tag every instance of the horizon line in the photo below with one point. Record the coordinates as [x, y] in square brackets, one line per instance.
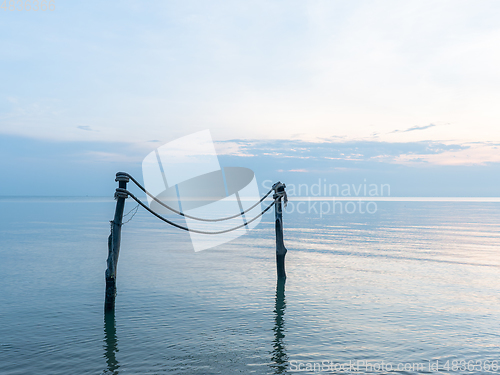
[291, 198]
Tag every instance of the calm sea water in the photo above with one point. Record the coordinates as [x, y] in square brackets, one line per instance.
[412, 283]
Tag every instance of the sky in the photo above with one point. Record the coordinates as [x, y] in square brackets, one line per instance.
[403, 93]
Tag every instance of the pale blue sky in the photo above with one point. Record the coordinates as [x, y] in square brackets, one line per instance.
[408, 90]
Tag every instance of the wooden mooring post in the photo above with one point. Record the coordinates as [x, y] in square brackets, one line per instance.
[279, 192]
[114, 242]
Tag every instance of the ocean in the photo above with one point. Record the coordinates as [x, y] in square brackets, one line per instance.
[411, 288]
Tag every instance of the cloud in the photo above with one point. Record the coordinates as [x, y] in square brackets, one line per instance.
[85, 127]
[412, 169]
[414, 128]
[343, 152]
[109, 157]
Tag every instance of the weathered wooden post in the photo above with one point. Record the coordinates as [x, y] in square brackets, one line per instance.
[114, 242]
[279, 192]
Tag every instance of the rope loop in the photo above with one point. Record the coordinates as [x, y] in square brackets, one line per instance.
[121, 193]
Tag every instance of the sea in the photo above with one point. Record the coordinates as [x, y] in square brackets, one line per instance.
[411, 288]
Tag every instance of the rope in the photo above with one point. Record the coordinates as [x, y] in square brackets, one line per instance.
[189, 216]
[136, 208]
[125, 191]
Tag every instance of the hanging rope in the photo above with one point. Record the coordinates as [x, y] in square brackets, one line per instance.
[193, 217]
[135, 209]
[125, 191]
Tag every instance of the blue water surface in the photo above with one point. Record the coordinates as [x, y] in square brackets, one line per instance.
[412, 283]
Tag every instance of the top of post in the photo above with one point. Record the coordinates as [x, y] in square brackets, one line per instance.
[122, 176]
[279, 191]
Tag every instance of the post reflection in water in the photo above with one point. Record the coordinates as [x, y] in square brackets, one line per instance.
[110, 343]
[279, 356]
